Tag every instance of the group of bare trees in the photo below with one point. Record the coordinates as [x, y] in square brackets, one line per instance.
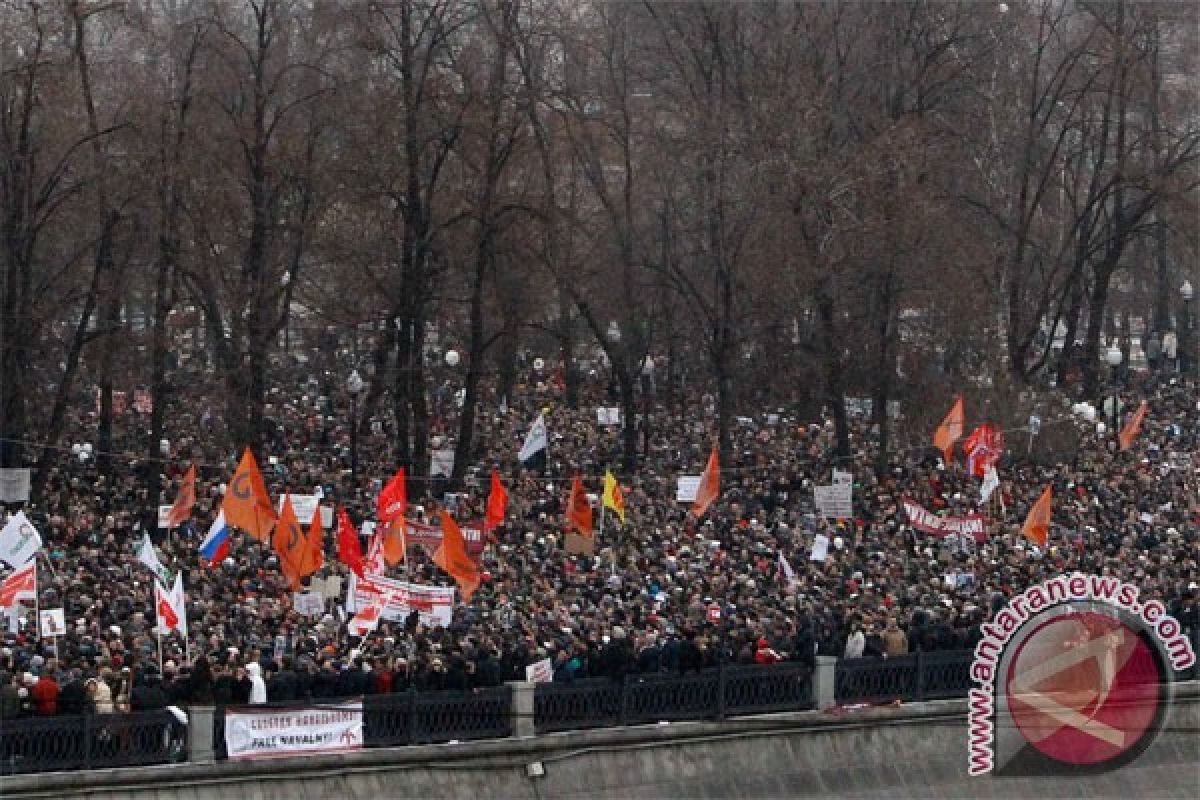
[786, 202]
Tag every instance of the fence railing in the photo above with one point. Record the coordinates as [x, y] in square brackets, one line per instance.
[709, 694]
[90, 741]
[917, 676]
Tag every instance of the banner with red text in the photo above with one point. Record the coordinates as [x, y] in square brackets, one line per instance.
[926, 521]
[435, 604]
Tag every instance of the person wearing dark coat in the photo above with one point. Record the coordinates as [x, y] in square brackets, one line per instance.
[200, 683]
[284, 684]
[148, 693]
[617, 657]
[690, 657]
[74, 699]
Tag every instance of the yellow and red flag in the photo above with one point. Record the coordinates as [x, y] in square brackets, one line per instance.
[613, 498]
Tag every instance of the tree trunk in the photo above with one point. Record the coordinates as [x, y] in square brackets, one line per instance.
[831, 357]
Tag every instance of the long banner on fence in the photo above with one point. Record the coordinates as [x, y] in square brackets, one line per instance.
[271, 733]
[435, 604]
[926, 521]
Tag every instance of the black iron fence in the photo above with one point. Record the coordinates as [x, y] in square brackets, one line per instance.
[709, 694]
[917, 676]
[89, 741]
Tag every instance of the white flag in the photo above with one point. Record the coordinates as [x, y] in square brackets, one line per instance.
[149, 557]
[991, 482]
[19, 541]
[535, 440]
[504, 404]
[789, 574]
[366, 620]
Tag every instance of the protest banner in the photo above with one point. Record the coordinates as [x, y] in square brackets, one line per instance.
[435, 604]
[305, 507]
[686, 488]
[834, 501]
[926, 521]
[271, 733]
[540, 672]
[14, 485]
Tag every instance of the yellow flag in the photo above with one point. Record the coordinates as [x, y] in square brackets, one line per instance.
[613, 499]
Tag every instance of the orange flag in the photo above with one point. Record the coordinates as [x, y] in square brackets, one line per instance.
[950, 431]
[452, 557]
[182, 508]
[290, 543]
[497, 504]
[1133, 427]
[316, 543]
[710, 486]
[1037, 524]
[579, 510]
[247, 505]
[395, 548]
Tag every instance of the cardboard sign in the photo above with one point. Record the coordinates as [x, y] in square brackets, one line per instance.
[834, 501]
[441, 462]
[14, 485]
[310, 604]
[686, 487]
[52, 622]
[305, 506]
[164, 517]
[820, 548]
[608, 416]
[577, 545]
[540, 672]
[842, 478]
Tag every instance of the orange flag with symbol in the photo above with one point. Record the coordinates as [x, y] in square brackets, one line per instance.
[247, 504]
[184, 501]
[1037, 524]
[579, 510]
[291, 544]
[452, 557]
[710, 486]
[395, 546]
[950, 431]
[1133, 427]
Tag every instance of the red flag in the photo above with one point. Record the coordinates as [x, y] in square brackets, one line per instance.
[983, 448]
[168, 620]
[710, 486]
[22, 583]
[1133, 427]
[182, 508]
[1037, 524]
[349, 547]
[579, 510]
[452, 557]
[950, 431]
[393, 500]
[247, 505]
[497, 505]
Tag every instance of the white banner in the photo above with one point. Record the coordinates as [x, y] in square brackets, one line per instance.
[685, 488]
[164, 517]
[540, 672]
[305, 506]
[435, 604]
[834, 501]
[14, 485]
[292, 731]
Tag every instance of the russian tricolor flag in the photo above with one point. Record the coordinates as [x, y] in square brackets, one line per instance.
[215, 546]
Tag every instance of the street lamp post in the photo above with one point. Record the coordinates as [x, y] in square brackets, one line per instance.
[1113, 356]
[1186, 354]
[354, 385]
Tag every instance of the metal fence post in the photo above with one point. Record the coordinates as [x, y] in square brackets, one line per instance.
[624, 714]
[722, 686]
[200, 735]
[87, 741]
[824, 682]
[919, 689]
[522, 708]
[410, 718]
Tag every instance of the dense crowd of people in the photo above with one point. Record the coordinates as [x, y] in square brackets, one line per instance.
[662, 592]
